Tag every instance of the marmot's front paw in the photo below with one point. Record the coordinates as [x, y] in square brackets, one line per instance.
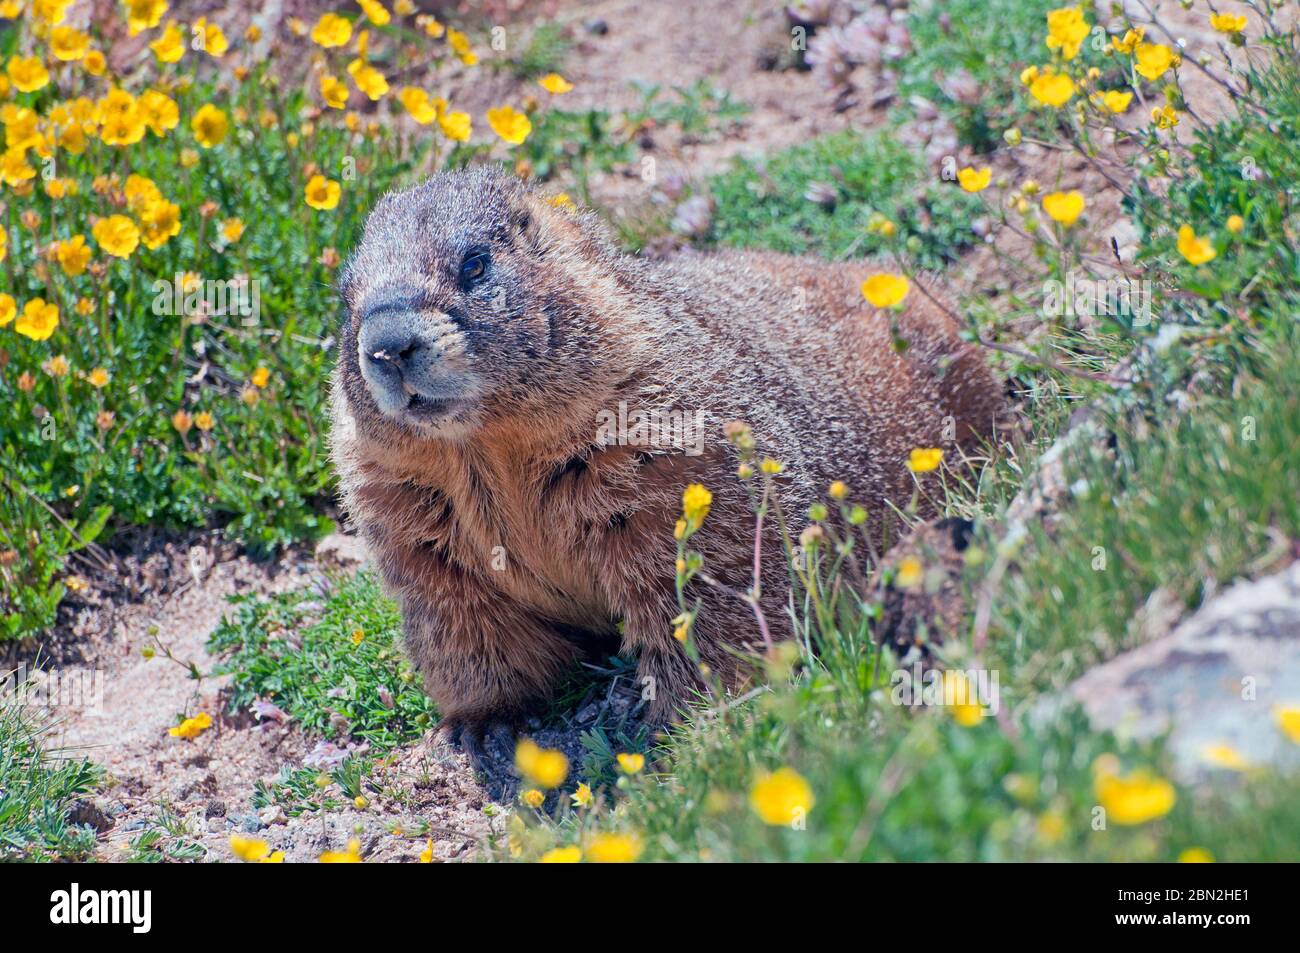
[487, 742]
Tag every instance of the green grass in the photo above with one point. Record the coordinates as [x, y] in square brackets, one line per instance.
[543, 53]
[38, 789]
[1186, 500]
[762, 205]
[299, 651]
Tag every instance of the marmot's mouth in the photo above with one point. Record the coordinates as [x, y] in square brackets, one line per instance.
[429, 408]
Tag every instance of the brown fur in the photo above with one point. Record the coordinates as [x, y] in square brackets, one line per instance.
[569, 328]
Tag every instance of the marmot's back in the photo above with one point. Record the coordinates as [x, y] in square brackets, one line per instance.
[790, 345]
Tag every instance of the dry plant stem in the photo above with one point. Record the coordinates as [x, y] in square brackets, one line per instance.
[758, 569]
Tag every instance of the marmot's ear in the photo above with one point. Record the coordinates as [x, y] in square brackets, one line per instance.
[540, 226]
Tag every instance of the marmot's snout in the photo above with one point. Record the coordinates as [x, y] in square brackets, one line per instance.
[412, 359]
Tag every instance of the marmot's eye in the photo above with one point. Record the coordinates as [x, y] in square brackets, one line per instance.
[473, 268]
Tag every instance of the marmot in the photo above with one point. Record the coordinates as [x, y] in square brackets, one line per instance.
[491, 339]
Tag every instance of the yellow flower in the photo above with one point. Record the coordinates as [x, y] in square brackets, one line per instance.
[696, 500]
[117, 235]
[1197, 251]
[368, 79]
[1050, 827]
[781, 797]
[533, 798]
[68, 44]
[209, 125]
[38, 319]
[350, 856]
[192, 727]
[169, 47]
[417, 102]
[1153, 60]
[358, 636]
[771, 467]
[360, 803]
[250, 849]
[555, 84]
[973, 181]
[562, 855]
[456, 126]
[73, 255]
[1064, 207]
[159, 221]
[331, 30]
[924, 459]
[159, 112]
[426, 855]
[374, 11]
[885, 290]
[544, 767]
[84, 307]
[582, 796]
[57, 366]
[839, 490]
[203, 420]
[1066, 31]
[561, 200]
[1135, 798]
[334, 91]
[1227, 22]
[910, 572]
[1116, 101]
[1196, 855]
[27, 75]
[1224, 756]
[460, 45]
[631, 763]
[1131, 39]
[1234, 224]
[214, 42]
[1165, 117]
[614, 848]
[144, 14]
[322, 193]
[98, 378]
[14, 168]
[232, 230]
[4, 244]
[509, 124]
[1051, 88]
[431, 26]
[1286, 716]
[140, 192]
[959, 696]
[50, 12]
[94, 62]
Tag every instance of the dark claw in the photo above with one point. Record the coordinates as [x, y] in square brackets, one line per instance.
[503, 736]
[470, 739]
[481, 741]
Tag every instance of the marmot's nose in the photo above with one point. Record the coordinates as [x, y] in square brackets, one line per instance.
[395, 353]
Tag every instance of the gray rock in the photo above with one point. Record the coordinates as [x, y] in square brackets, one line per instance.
[1215, 680]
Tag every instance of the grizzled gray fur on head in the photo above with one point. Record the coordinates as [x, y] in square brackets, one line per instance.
[449, 313]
